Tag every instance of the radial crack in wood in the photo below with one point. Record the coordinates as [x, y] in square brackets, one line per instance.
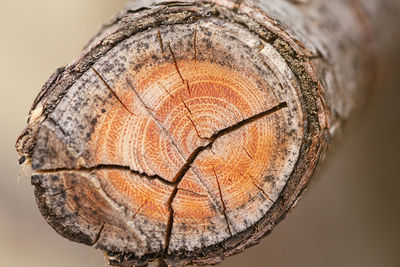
[111, 90]
[223, 203]
[104, 167]
[145, 126]
[187, 130]
[185, 168]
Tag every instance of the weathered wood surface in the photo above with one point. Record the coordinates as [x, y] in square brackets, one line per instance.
[187, 130]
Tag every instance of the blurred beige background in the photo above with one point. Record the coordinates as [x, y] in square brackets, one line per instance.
[349, 217]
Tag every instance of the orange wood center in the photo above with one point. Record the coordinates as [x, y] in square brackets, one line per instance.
[168, 112]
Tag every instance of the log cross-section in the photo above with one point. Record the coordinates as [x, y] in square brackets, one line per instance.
[187, 130]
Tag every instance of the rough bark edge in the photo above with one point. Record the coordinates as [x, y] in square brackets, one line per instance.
[314, 142]
[53, 219]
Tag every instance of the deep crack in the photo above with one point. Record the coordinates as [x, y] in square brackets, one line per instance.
[107, 167]
[192, 192]
[263, 192]
[160, 40]
[188, 88]
[258, 187]
[195, 44]
[139, 209]
[170, 219]
[222, 202]
[111, 91]
[180, 174]
[99, 234]
[185, 168]
[131, 85]
[62, 192]
[176, 63]
[248, 120]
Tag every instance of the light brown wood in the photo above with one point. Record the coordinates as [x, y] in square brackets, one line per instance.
[187, 130]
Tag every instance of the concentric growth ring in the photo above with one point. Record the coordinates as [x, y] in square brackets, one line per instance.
[173, 145]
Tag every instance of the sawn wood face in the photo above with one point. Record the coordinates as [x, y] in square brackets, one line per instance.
[185, 139]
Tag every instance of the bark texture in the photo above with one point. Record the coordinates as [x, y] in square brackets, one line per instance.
[186, 131]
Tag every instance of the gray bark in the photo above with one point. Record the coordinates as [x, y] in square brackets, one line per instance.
[318, 58]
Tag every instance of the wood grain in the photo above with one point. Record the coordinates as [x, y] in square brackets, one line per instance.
[186, 130]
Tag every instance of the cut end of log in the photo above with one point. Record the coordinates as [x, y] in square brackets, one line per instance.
[176, 138]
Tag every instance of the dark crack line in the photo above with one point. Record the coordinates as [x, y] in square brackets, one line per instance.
[176, 63]
[165, 89]
[112, 91]
[160, 40]
[139, 209]
[99, 234]
[176, 181]
[181, 173]
[131, 85]
[258, 187]
[247, 153]
[195, 43]
[262, 191]
[63, 191]
[105, 167]
[195, 128]
[192, 192]
[191, 158]
[188, 87]
[185, 168]
[57, 125]
[222, 202]
[170, 219]
[248, 121]
[190, 112]
[192, 122]
[154, 117]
